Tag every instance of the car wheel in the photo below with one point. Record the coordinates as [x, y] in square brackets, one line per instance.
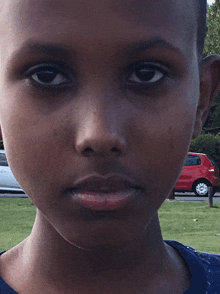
[201, 189]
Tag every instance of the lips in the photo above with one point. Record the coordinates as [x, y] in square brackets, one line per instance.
[104, 193]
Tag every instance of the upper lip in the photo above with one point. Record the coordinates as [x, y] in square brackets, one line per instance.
[104, 184]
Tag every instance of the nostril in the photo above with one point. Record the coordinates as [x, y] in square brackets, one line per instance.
[88, 150]
[114, 149]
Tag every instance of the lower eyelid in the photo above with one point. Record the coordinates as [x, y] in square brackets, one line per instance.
[50, 88]
[149, 82]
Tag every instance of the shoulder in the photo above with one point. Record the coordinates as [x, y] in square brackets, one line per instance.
[1, 252]
[204, 258]
[205, 267]
[1, 264]
[4, 265]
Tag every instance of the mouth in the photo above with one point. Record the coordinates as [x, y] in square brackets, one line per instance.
[104, 201]
[104, 193]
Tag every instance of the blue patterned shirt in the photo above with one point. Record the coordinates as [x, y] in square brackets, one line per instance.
[204, 267]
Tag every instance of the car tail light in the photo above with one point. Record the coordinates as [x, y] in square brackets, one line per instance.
[215, 169]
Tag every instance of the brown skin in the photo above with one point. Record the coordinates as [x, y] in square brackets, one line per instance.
[46, 132]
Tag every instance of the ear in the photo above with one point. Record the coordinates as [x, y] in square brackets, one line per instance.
[209, 88]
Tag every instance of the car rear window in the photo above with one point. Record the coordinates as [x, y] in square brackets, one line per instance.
[211, 159]
[192, 160]
[3, 160]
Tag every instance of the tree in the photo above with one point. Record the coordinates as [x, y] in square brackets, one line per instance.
[208, 144]
[213, 120]
[212, 41]
[212, 46]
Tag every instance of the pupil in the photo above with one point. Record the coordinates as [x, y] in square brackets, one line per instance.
[46, 76]
[145, 74]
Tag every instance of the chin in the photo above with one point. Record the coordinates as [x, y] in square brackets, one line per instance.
[103, 238]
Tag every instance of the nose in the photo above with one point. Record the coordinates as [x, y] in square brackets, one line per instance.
[99, 136]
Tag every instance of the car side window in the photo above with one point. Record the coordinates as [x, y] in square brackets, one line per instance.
[3, 160]
[192, 160]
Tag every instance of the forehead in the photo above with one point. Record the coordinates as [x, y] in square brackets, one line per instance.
[71, 21]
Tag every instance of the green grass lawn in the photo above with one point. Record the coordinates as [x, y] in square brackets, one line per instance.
[190, 223]
[16, 220]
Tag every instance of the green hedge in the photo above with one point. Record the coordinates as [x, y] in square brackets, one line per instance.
[1, 145]
[209, 144]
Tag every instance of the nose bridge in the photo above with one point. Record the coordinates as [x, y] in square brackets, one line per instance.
[100, 129]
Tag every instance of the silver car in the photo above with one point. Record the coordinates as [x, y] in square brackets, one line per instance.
[7, 179]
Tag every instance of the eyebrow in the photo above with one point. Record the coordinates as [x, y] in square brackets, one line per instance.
[34, 49]
[139, 47]
[47, 49]
[66, 53]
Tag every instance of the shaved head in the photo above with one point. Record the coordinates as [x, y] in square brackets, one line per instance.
[201, 21]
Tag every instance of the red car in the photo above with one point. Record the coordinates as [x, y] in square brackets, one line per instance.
[199, 173]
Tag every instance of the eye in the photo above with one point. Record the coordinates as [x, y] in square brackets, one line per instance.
[147, 73]
[48, 76]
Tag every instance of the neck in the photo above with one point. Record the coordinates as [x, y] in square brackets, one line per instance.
[50, 264]
[52, 252]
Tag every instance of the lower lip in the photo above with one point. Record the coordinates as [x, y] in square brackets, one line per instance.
[107, 201]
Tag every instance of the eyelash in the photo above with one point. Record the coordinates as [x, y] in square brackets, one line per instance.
[136, 71]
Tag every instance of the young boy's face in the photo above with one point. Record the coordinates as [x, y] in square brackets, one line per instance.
[98, 88]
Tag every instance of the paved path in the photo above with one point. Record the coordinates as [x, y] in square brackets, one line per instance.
[192, 197]
[13, 195]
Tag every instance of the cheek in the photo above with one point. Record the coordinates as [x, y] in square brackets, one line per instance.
[34, 147]
[161, 141]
